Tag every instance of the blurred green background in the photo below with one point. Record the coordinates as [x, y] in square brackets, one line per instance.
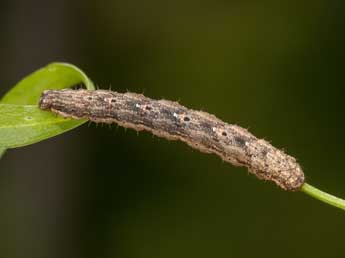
[275, 67]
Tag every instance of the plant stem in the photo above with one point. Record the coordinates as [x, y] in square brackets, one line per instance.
[323, 196]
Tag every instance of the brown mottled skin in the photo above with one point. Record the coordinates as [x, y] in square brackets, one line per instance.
[172, 121]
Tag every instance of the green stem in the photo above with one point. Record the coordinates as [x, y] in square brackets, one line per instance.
[323, 196]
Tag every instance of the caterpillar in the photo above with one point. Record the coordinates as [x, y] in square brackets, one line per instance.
[170, 120]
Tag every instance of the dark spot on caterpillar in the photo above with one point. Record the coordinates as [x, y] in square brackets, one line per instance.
[171, 116]
[224, 133]
[240, 141]
[168, 114]
[148, 108]
[264, 152]
[89, 98]
[132, 104]
[186, 118]
[206, 127]
[215, 139]
[113, 100]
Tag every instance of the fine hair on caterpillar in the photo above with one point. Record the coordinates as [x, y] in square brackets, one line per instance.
[172, 121]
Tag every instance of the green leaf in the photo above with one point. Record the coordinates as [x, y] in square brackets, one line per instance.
[27, 124]
[21, 121]
[53, 76]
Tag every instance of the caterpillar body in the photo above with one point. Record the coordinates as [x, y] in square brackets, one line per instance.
[172, 121]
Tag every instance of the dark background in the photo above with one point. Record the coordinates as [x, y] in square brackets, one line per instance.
[275, 67]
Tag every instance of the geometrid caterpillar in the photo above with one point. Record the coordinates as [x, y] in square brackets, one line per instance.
[172, 121]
